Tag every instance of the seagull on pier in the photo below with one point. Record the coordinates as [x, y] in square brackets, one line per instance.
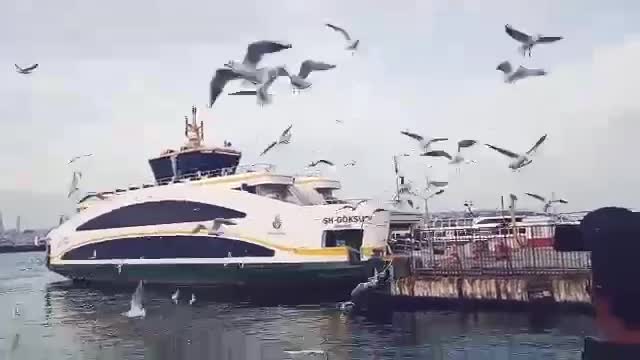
[511, 76]
[351, 44]
[520, 160]
[285, 138]
[321, 161]
[425, 143]
[300, 81]
[27, 70]
[529, 41]
[547, 204]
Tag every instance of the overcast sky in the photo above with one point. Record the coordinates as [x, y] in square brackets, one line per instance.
[117, 77]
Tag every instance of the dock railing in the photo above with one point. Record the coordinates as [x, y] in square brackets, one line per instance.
[494, 251]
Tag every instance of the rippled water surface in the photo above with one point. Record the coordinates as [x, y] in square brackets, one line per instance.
[55, 320]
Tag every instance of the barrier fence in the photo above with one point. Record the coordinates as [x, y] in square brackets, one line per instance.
[494, 251]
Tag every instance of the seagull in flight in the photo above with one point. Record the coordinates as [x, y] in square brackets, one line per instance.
[247, 70]
[350, 163]
[528, 41]
[262, 94]
[77, 175]
[321, 161]
[285, 138]
[73, 159]
[353, 207]
[519, 160]
[300, 81]
[438, 153]
[511, 76]
[437, 184]
[339, 121]
[549, 203]
[351, 44]
[458, 158]
[216, 226]
[27, 70]
[425, 143]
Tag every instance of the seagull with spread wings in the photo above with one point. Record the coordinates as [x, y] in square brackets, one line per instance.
[458, 158]
[511, 76]
[27, 70]
[425, 143]
[547, 204]
[78, 157]
[351, 44]
[519, 160]
[318, 162]
[300, 81]
[247, 69]
[353, 207]
[285, 138]
[529, 41]
[216, 226]
[262, 94]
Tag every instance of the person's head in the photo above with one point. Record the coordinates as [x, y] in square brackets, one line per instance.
[613, 236]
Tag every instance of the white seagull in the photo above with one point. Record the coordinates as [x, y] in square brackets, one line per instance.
[352, 207]
[549, 203]
[217, 224]
[27, 70]
[528, 41]
[458, 158]
[438, 153]
[351, 44]
[73, 159]
[350, 163]
[262, 94]
[193, 299]
[285, 138]
[300, 81]
[425, 143]
[175, 295]
[77, 175]
[247, 69]
[519, 160]
[511, 76]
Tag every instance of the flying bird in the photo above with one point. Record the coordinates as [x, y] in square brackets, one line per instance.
[425, 143]
[547, 204]
[528, 41]
[437, 153]
[318, 162]
[73, 159]
[262, 94]
[218, 223]
[27, 70]
[351, 44]
[77, 175]
[352, 207]
[218, 82]
[437, 184]
[300, 81]
[350, 163]
[285, 138]
[519, 160]
[339, 121]
[458, 158]
[256, 50]
[378, 210]
[511, 76]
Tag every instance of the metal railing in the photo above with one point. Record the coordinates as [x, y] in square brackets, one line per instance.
[491, 251]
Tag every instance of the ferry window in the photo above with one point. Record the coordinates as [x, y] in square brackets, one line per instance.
[159, 213]
[164, 247]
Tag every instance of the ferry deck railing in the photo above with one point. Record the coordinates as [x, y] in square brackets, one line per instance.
[529, 252]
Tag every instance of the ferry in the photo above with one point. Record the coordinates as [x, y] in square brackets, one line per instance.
[208, 221]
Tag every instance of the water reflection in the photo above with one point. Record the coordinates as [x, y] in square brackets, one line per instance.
[61, 321]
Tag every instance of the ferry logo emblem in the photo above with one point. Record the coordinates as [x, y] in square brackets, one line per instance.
[277, 223]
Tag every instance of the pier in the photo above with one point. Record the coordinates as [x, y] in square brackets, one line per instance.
[499, 270]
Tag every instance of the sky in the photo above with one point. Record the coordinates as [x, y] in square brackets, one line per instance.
[116, 78]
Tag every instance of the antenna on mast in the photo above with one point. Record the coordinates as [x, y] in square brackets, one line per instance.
[193, 132]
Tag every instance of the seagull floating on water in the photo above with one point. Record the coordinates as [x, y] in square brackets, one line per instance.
[520, 160]
[528, 41]
[300, 81]
[511, 76]
[175, 295]
[193, 299]
[27, 70]
[425, 143]
[351, 44]
[285, 138]
[136, 310]
[247, 69]
[549, 203]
